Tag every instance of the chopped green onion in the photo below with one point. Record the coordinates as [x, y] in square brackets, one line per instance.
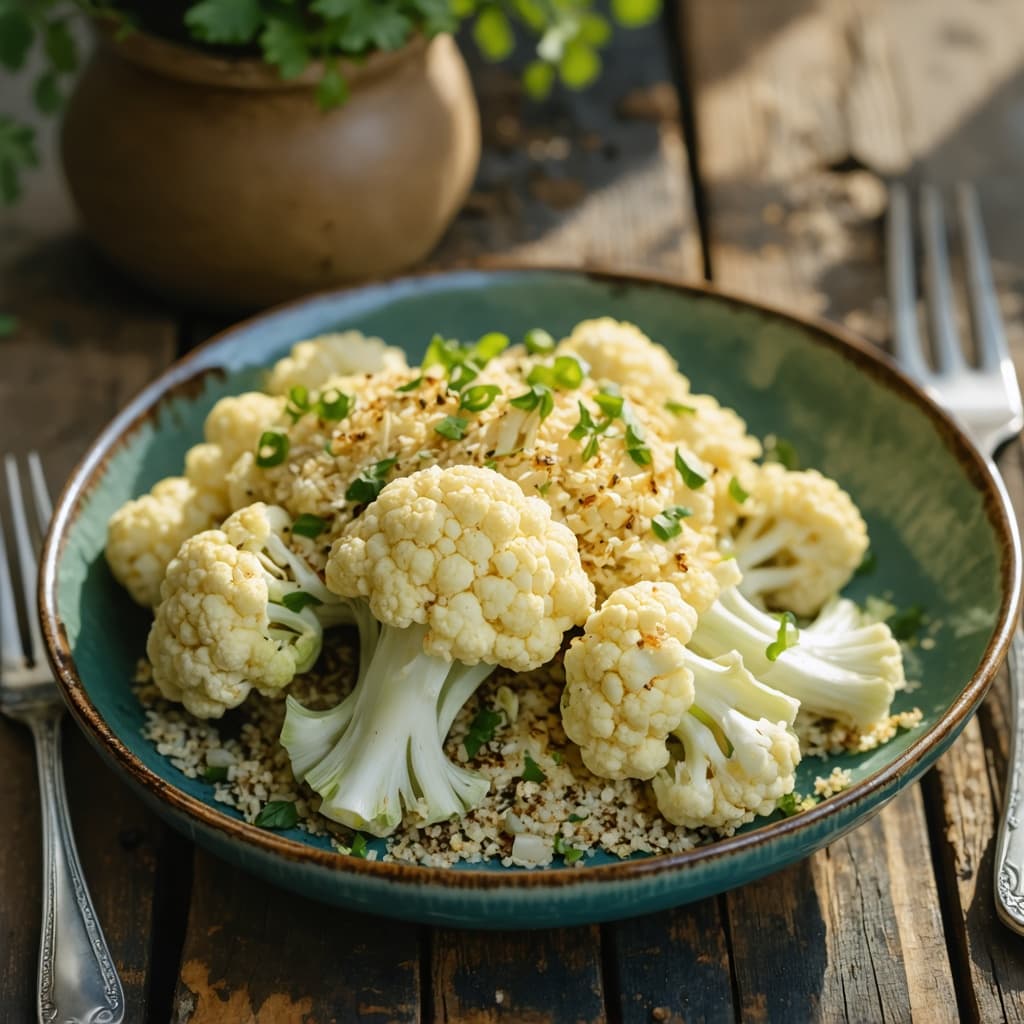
[481, 730]
[868, 564]
[452, 427]
[610, 404]
[479, 397]
[778, 449]
[532, 772]
[444, 352]
[737, 492]
[578, 817]
[461, 375]
[309, 526]
[679, 409]
[272, 449]
[782, 641]
[298, 402]
[278, 814]
[539, 397]
[667, 525]
[413, 385]
[691, 477]
[544, 487]
[635, 447]
[538, 341]
[907, 622]
[463, 363]
[215, 773]
[370, 482]
[358, 846]
[584, 425]
[333, 405]
[566, 850]
[564, 374]
[296, 600]
[487, 347]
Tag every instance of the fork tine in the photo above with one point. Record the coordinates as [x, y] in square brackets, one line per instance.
[11, 654]
[26, 557]
[902, 288]
[988, 323]
[40, 492]
[939, 291]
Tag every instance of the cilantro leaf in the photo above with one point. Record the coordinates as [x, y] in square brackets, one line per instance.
[284, 44]
[225, 21]
[532, 772]
[278, 814]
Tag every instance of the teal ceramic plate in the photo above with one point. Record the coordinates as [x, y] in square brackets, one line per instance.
[938, 526]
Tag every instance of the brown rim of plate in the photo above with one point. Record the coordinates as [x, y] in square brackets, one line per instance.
[865, 356]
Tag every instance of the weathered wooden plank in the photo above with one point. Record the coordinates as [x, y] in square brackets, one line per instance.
[794, 192]
[672, 967]
[259, 955]
[541, 977]
[84, 342]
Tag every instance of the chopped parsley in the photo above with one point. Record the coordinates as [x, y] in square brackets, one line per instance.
[778, 449]
[215, 773]
[532, 772]
[452, 427]
[479, 397]
[370, 482]
[309, 526]
[668, 524]
[413, 385]
[538, 341]
[794, 803]
[566, 850]
[906, 623]
[296, 600]
[481, 730]
[679, 409]
[691, 477]
[272, 449]
[737, 492]
[783, 639]
[539, 397]
[278, 814]
[566, 373]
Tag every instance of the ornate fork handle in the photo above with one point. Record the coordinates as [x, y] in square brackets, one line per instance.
[78, 983]
[1009, 869]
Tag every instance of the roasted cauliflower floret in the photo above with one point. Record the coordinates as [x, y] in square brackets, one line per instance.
[627, 686]
[798, 540]
[313, 362]
[463, 572]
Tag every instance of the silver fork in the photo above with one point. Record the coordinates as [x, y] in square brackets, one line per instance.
[78, 981]
[986, 401]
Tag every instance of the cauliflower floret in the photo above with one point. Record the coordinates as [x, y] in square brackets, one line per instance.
[798, 540]
[463, 572]
[737, 752]
[620, 353]
[311, 363]
[627, 686]
[144, 534]
[227, 621]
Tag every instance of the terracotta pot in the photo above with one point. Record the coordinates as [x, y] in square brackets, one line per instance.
[214, 182]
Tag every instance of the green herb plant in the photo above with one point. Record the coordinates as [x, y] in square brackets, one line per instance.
[293, 35]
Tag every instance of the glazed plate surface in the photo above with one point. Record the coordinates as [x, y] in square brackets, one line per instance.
[938, 526]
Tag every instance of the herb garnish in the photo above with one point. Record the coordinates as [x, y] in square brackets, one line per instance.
[667, 524]
[532, 772]
[308, 525]
[691, 477]
[215, 773]
[538, 341]
[737, 491]
[539, 397]
[679, 409]
[278, 814]
[298, 402]
[906, 622]
[566, 373]
[783, 639]
[566, 850]
[463, 363]
[586, 427]
[778, 449]
[370, 482]
[358, 846]
[479, 397]
[333, 405]
[272, 449]
[452, 427]
[481, 730]
[413, 385]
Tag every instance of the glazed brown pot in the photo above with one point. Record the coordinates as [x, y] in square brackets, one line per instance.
[216, 183]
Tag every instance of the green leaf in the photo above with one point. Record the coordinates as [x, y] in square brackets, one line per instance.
[906, 623]
[578, 817]
[538, 80]
[463, 8]
[60, 47]
[691, 477]
[610, 404]
[284, 45]
[332, 89]
[532, 772]
[17, 153]
[452, 427]
[370, 482]
[668, 524]
[481, 730]
[16, 35]
[296, 600]
[579, 64]
[308, 525]
[367, 24]
[413, 385]
[566, 373]
[679, 409]
[778, 449]
[737, 492]
[8, 324]
[278, 814]
[437, 16]
[225, 21]
[47, 93]
[358, 846]
[635, 447]
[595, 29]
[492, 32]
[566, 849]
[539, 397]
[272, 449]
[783, 639]
[215, 773]
[634, 13]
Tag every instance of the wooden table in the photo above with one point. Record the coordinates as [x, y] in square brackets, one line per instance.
[743, 140]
